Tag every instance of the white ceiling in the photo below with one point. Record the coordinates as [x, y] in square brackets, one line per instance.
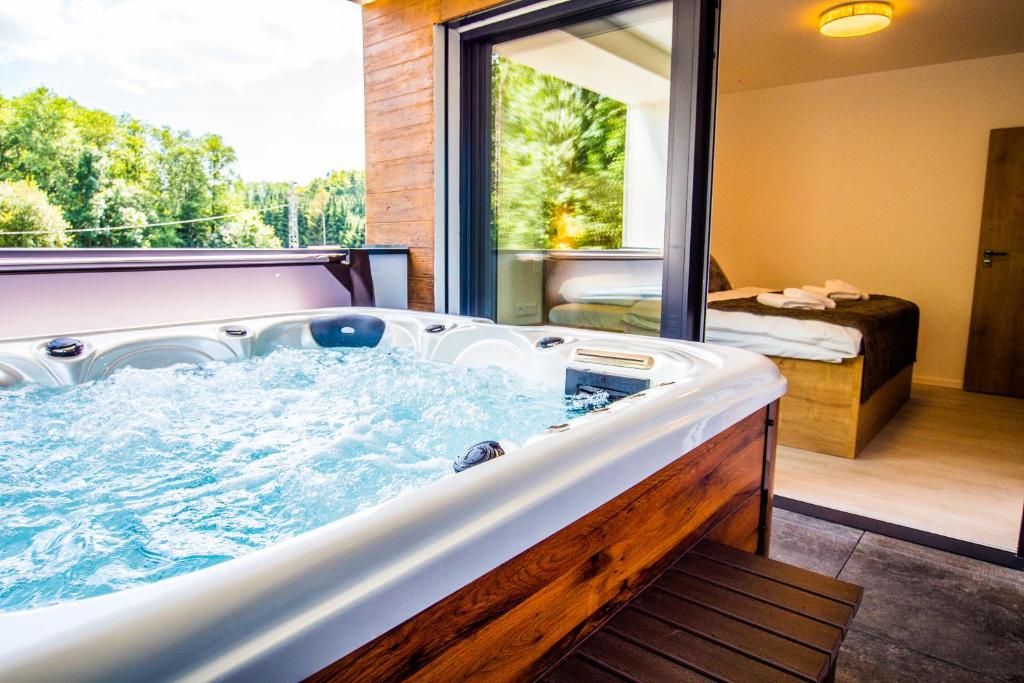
[766, 43]
[597, 65]
[625, 56]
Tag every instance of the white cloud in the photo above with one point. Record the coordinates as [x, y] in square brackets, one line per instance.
[171, 43]
[345, 107]
[342, 115]
[127, 86]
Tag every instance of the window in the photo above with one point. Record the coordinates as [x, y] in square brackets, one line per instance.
[183, 124]
[580, 130]
[580, 138]
[584, 138]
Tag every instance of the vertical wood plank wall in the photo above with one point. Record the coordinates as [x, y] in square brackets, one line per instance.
[398, 75]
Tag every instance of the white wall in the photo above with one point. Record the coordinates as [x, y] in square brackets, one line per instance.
[646, 175]
[877, 179]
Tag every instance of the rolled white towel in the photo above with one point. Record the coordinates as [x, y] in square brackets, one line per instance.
[835, 294]
[794, 293]
[782, 301]
[846, 289]
[827, 293]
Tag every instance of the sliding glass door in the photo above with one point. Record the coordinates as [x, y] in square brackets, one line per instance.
[572, 120]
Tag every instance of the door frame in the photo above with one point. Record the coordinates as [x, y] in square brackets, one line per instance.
[469, 270]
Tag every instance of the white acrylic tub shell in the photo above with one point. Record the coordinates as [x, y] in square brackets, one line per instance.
[288, 610]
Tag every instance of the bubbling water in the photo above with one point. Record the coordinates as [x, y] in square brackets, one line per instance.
[153, 473]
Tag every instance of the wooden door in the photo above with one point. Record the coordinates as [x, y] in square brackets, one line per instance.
[995, 349]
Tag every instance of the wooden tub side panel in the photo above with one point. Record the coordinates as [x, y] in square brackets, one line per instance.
[740, 529]
[520, 618]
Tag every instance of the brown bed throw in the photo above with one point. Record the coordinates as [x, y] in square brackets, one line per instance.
[889, 326]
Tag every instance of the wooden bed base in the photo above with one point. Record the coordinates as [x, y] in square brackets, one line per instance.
[518, 620]
[822, 412]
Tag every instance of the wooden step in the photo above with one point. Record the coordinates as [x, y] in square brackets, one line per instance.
[722, 614]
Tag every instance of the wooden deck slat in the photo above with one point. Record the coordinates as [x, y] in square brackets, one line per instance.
[752, 641]
[769, 590]
[577, 669]
[729, 616]
[774, 619]
[820, 584]
[638, 663]
[693, 652]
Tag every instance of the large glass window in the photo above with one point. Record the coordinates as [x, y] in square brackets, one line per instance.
[579, 139]
[178, 123]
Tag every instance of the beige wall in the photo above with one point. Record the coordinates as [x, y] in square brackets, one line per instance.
[876, 179]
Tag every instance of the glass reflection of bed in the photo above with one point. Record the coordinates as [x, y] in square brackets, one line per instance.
[845, 380]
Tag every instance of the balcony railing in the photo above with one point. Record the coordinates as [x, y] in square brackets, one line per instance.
[57, 291]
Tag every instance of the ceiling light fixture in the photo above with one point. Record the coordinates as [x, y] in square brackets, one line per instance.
[855, 19]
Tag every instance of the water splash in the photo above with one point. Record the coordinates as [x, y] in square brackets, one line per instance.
[154, 473]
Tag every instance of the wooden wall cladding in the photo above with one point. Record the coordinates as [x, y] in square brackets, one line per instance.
[398, 76]
[453, 9]
[398, 63]
[519, 619]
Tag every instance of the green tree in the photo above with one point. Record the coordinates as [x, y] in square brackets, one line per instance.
[559, 162]
[336, 200]
[25, 208]
[118, 204]
[105, 171]
[39, 142]
[247, 230]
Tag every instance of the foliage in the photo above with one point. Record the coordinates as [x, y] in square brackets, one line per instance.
[248, 230]
[559, 162]
[101, 170]
[332, 209]
[119, 203]
[24, 207]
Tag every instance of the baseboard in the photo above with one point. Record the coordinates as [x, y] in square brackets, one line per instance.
[939, 382]
[976, 551]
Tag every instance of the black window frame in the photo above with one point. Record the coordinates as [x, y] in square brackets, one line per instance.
[691, 131]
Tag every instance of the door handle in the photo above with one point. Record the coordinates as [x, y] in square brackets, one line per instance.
[986, 261]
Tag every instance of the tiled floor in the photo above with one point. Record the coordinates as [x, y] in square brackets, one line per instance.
[926, 615]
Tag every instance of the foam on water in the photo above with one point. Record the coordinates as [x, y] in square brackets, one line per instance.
[154, 473]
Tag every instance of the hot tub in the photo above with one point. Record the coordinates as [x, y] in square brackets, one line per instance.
[289, 610]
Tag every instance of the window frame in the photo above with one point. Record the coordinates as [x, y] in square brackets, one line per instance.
[470, 42]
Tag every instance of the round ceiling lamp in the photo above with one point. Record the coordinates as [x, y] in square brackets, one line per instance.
[855, 19]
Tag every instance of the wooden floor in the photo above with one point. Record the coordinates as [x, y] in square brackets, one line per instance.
[950, 462]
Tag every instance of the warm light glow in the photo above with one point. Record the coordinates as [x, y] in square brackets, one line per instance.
[856, 19]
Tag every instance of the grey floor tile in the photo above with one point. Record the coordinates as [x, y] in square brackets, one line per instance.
[977, 566]
[941, 610]
[865, 658]
[809, 547]
[815, 523]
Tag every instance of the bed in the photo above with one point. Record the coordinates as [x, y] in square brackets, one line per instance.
[849, 368]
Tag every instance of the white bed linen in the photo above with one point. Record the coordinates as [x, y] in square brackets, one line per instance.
[622, 289]
[771, 335]
[770, 346]
[596, 300]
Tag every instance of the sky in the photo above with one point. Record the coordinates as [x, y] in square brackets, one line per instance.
[280, 80]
